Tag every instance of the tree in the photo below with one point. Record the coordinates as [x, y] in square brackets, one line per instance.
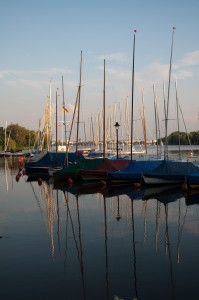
[18, 137]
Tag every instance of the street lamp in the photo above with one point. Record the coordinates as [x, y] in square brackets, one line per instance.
[117, 125]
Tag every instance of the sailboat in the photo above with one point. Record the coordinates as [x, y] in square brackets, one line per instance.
[170, 171]
[51, 159]
[108, 165]
[70, 171]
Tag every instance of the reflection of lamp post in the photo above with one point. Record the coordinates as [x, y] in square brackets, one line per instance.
[118, 217]
[117, 125]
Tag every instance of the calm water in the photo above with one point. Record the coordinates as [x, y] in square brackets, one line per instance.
[108, 244]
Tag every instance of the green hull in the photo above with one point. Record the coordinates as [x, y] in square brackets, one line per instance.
[73, 169]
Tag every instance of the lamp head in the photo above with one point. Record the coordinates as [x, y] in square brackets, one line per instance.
[117, 125]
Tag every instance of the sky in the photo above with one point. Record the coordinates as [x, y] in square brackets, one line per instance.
[42, 40]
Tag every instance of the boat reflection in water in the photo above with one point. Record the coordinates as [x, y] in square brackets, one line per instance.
[98, 242]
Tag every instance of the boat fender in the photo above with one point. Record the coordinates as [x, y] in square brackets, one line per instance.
[137, 184]
[39, 181]
[103, 183]
[17, 177]
[20, 161]
[184, 187]
[70, 181]
[190, 154]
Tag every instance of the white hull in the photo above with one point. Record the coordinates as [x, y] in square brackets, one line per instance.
[156, 180]
[51, 171]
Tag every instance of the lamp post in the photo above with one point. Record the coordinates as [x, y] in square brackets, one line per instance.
[117, 125]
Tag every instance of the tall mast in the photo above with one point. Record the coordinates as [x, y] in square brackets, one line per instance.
[56, 118]
[104, 115]
[144, 122]
[168, 96]
[78, 112]
[177, 108]
[50, 116]
[64, 114]
[5, 142]
[132, 93]
[155, 111]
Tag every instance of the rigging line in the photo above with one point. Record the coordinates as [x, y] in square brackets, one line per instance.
[184, 125]
[132, 100]
[168, 95]
[71, 128]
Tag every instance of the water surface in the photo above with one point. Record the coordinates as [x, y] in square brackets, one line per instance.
[69, 243]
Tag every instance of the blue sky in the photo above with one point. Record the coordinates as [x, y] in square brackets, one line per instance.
[41, 40]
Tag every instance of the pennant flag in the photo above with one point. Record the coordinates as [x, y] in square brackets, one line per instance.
[64, 109]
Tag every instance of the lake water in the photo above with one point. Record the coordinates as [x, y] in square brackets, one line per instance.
[102, 243]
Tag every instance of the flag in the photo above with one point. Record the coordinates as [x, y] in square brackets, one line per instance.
[64, 109]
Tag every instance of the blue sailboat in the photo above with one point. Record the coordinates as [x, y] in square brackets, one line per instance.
[50, 160]
[133, 172]
[169, 172]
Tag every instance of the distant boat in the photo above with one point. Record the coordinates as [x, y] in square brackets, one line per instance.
[12, 153]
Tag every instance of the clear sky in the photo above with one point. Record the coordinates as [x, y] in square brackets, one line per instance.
[41, 40]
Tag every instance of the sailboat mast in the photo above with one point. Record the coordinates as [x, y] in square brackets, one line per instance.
[65, 136]
[144, 122]
[5, 142]
[168, 96]
[50, 116]
[132, 94]
[155, 111]
[78, 112]
[177, 108]
[104, 115]
[56, 120]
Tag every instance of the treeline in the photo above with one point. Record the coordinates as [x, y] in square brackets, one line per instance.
[17, 137]
[182, 138]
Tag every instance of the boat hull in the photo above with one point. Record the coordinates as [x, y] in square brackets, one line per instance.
[162, 180]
